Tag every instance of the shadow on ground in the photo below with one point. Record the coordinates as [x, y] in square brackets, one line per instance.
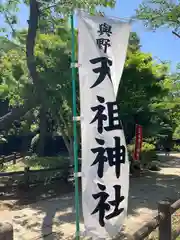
[173, 160]
[54, 219]
[58, 215]
[22, 196]
[146, 191]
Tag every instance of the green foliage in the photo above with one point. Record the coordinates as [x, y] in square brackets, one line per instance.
[140, 87]
[6, 45]
[11, 168]
[13, 73]
[148, 157]
[130, 148]
[157, 13]
[176, 147]
[59, 164]
[148, 94]
[35, 162]
[50, 66]
[168, 116]
[148, 153]
[147, 147]
[52, 13]
[9, 9]
[176, 134]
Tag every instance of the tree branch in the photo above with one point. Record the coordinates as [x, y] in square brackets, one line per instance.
[176, 34]
[51, 6]
[55, 4]
[16, 113]
[10, 24]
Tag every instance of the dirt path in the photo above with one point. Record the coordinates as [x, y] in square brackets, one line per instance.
[55, 219]
[145, 192]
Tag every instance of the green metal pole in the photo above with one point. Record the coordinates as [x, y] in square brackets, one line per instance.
[75, 126]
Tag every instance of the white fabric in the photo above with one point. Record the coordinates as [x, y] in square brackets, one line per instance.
[87, 50]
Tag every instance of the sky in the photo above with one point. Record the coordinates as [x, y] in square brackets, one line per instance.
[162, 44]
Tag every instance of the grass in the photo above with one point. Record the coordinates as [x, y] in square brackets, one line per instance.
[59, 165]
[12, 168]
[36, 163]
[45, 162]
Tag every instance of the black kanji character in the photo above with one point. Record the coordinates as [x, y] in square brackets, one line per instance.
[100, 157]
[103, 70]
[116, 202]
[103, 43]
[103, 206]
[100, 117]
[113, 116]
[115, 156]
[105, 28]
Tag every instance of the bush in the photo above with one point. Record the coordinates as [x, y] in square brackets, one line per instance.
[148, 155]
[134, 165]
[60, 166]
[146, 147]
[176, 148]
[35, 162]
[147, 151]
[130, 149]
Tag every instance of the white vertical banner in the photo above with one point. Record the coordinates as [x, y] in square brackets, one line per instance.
[102, 46]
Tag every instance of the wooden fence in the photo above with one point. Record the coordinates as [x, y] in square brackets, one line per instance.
[162, 221]
[32, 176]
[29, 177]
[10, 158]
[6, 231]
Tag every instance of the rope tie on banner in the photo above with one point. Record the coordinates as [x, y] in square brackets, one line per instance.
[75, 65]
[77, 118]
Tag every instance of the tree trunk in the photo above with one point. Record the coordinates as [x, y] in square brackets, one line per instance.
[30, 41]
[43, 129]
[71, 152]
[24, 146]
[30, 45]
[69, 145]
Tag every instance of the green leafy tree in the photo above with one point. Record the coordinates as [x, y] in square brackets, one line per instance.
[37, 78]
[171, 104]
[143, 83]
[140, 86]
[148, 95]
[38, 11]
[158, 13]
[53, 67]
[41, 18]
